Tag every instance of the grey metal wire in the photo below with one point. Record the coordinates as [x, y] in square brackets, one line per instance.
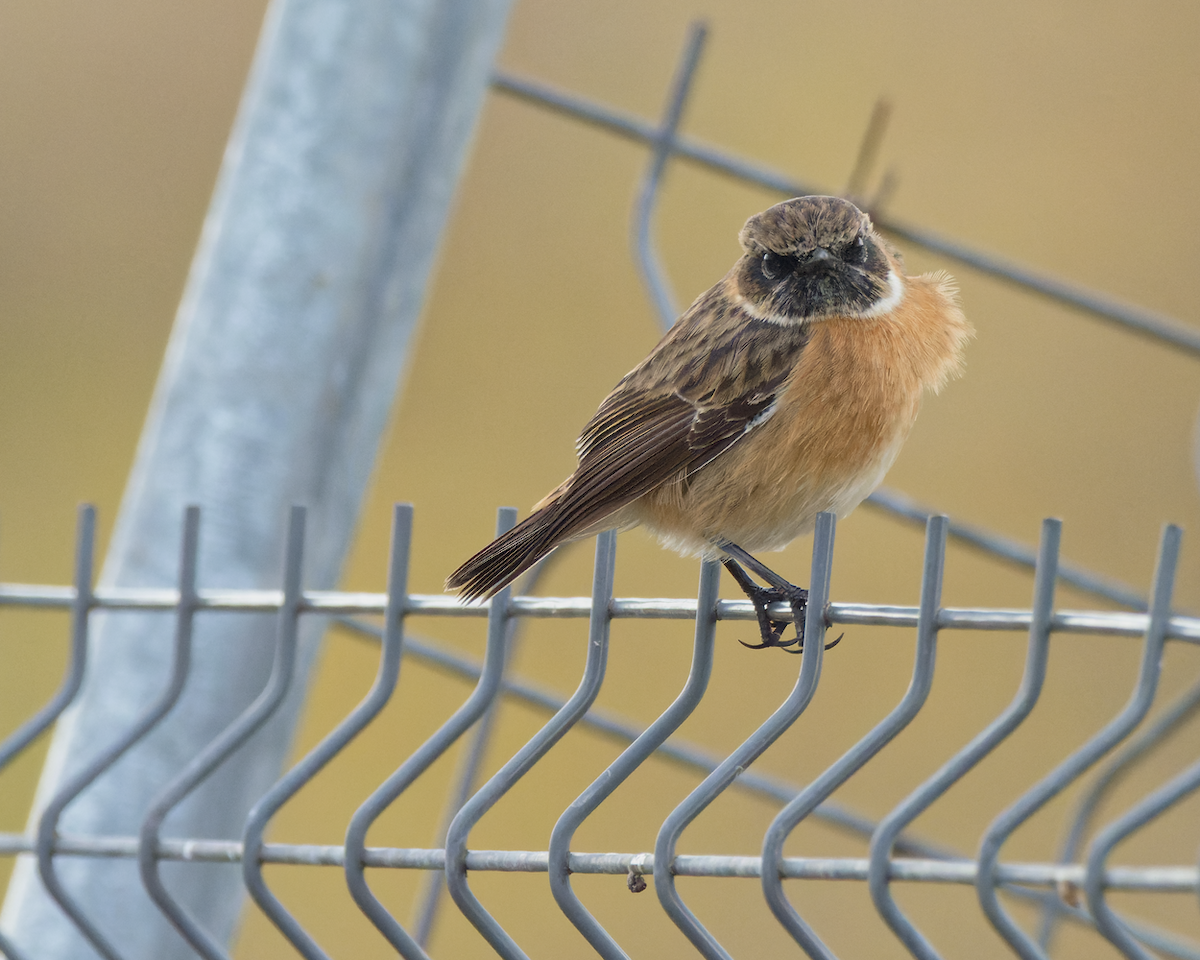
[75, 785]
[313, 762]
[853, 760]
[1171, 719]
[686, 754]
[1112, 926]
[1076, 764]
[220, 748]
[750, 749]
[435, 883]
[653, 276]
[81, 604]
[693, 757]
[420, 760]
[1153, 879]
[1157, 326]
[951, 870]
[1013, 551]
[537, 747]
[650, 740]
[979, 747]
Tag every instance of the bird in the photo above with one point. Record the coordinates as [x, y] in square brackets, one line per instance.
[785, 390]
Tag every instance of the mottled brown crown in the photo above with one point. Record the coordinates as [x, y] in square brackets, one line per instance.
[799, 226]
[814, 257]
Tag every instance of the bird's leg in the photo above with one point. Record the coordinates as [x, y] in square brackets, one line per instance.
[771, 629]
[762, 597]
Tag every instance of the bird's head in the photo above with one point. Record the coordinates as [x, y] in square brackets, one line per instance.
[815, 257]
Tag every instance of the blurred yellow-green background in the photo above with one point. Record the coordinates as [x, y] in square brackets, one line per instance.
[1063, 135]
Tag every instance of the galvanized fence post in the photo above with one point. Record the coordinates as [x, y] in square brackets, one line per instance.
[277, 384]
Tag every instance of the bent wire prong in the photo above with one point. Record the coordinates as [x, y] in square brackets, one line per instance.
[537, 747]
[1083, 758]
[180, 661]
[226, 742]
[866, 748]
[753, 747]
[957, 766]
[469, 766]
[81, 605]
[420, 760]
[1158, 802]
[623, 767]
[1168, 721]
[315, 760]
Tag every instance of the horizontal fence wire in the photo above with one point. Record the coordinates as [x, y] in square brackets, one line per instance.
[895, 856]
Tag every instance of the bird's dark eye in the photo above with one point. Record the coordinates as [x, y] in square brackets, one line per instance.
[775, 265]
[856, 251]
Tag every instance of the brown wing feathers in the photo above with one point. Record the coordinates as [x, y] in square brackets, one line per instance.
[624, 460]
[644, 434]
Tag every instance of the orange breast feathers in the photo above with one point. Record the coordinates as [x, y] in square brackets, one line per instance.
[837, 427]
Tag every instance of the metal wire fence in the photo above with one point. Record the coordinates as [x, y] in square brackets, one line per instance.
[893, 856]
[1072, 886]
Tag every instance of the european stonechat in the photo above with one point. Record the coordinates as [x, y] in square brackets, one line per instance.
[785, 390]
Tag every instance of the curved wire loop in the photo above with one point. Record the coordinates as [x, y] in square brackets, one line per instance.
[866, 748]
[965, 759]
[537, 747]
[81, 605]
[1137, 749]
[1158, 802]
[47, 831]
[655, 279]
[623, 767]
[751, 748]
[420, 760]
[1083, 758]
[220, 748]
[313, 762]
[435, 880]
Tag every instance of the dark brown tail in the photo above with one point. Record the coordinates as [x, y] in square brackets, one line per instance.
[508, 556]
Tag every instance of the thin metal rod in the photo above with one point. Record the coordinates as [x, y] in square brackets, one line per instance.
[1101, 622]
[219, 749]
[80, 603]
[525, 758]
[1010, 550]
[1157, 803]
[377, 697]
[468, 776]
[419, 761]
[868, 150]
[753, 747]
[853, 760]
[151, 717]
[1149, 323]
[623, 767]
[658, 286]
[1083, 758]
[682, 752]
[1151, 879]
[980, 746]
[1137, 749]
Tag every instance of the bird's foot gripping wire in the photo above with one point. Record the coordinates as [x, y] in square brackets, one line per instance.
[770, 628]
